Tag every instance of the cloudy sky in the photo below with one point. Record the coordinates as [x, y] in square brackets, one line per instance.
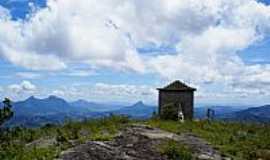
[121, 50]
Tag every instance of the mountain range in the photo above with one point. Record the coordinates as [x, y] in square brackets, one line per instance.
[138, 110]
[220, 111]
[95, 107]
[34, 112]
[254, 114]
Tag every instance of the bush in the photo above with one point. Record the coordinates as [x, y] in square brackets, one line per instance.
[169, 112]
[14, 142]
[175, 151]
[6, 113]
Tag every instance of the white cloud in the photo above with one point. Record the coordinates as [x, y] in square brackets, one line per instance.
[3, 12]
[23, 87]
[59, 93]
[254, 80]
[32, 60]
[108, 92]
[28, 75]
[209, 56]
[81, 73]
[207, 36]
[123, 90]
[68, 31]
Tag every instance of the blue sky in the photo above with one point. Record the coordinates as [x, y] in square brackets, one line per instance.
[114, 52]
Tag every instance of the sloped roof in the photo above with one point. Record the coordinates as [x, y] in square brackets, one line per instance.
[177, 86]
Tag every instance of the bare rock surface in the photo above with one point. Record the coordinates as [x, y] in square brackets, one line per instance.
[42, 143]
[139, 142]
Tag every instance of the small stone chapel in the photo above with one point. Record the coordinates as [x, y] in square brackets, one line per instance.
[178, 95]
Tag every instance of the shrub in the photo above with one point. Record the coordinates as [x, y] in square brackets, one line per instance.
[175, 151]
[236, 140]
[6, 113]
[60, 137]
[169, 112]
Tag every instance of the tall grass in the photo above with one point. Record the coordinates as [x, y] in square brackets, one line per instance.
[19, 143]
[175, 151]
[237, 140]
[240, 141]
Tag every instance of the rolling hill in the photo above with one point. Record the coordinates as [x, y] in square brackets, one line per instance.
[220, 111]
[34, 112]
[256, 114]
[138, 110]
[95, 107]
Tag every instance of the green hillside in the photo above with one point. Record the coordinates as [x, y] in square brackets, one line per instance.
[239, 141]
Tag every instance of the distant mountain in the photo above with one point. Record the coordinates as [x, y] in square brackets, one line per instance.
[220, 111]
[35, 112]
[255, 114]
[137, 110]
[35, 106]
[95, 107]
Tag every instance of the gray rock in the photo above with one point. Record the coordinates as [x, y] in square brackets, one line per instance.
[42, 143]
[139, 142]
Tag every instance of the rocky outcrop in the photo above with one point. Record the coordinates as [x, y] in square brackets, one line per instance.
[139, 142]
[43, 143]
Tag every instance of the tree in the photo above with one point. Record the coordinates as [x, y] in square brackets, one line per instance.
[154, 114]
[6, 113]
[210, 114]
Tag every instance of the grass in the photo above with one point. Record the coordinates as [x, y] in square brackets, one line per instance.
[15, 144]
[175, 151]
[236, 140]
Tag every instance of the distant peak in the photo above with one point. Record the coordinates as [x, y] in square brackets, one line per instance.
[52, 97]
[31, 98]
[140, 103]
[81, 100]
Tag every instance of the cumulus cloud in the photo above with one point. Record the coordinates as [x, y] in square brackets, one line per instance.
[68, 31]
[211, 55]
[19, 91]
[207, 36]
[254, 81]
[23, 87]
[108, 92]
[60, 93]
[3, 12]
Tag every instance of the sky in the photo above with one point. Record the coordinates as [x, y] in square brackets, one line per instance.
[122, 50]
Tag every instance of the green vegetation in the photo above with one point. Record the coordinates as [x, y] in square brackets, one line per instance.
[240, 141]
[5, 113]
[169, 112]
[47, 142]
[175, 151]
